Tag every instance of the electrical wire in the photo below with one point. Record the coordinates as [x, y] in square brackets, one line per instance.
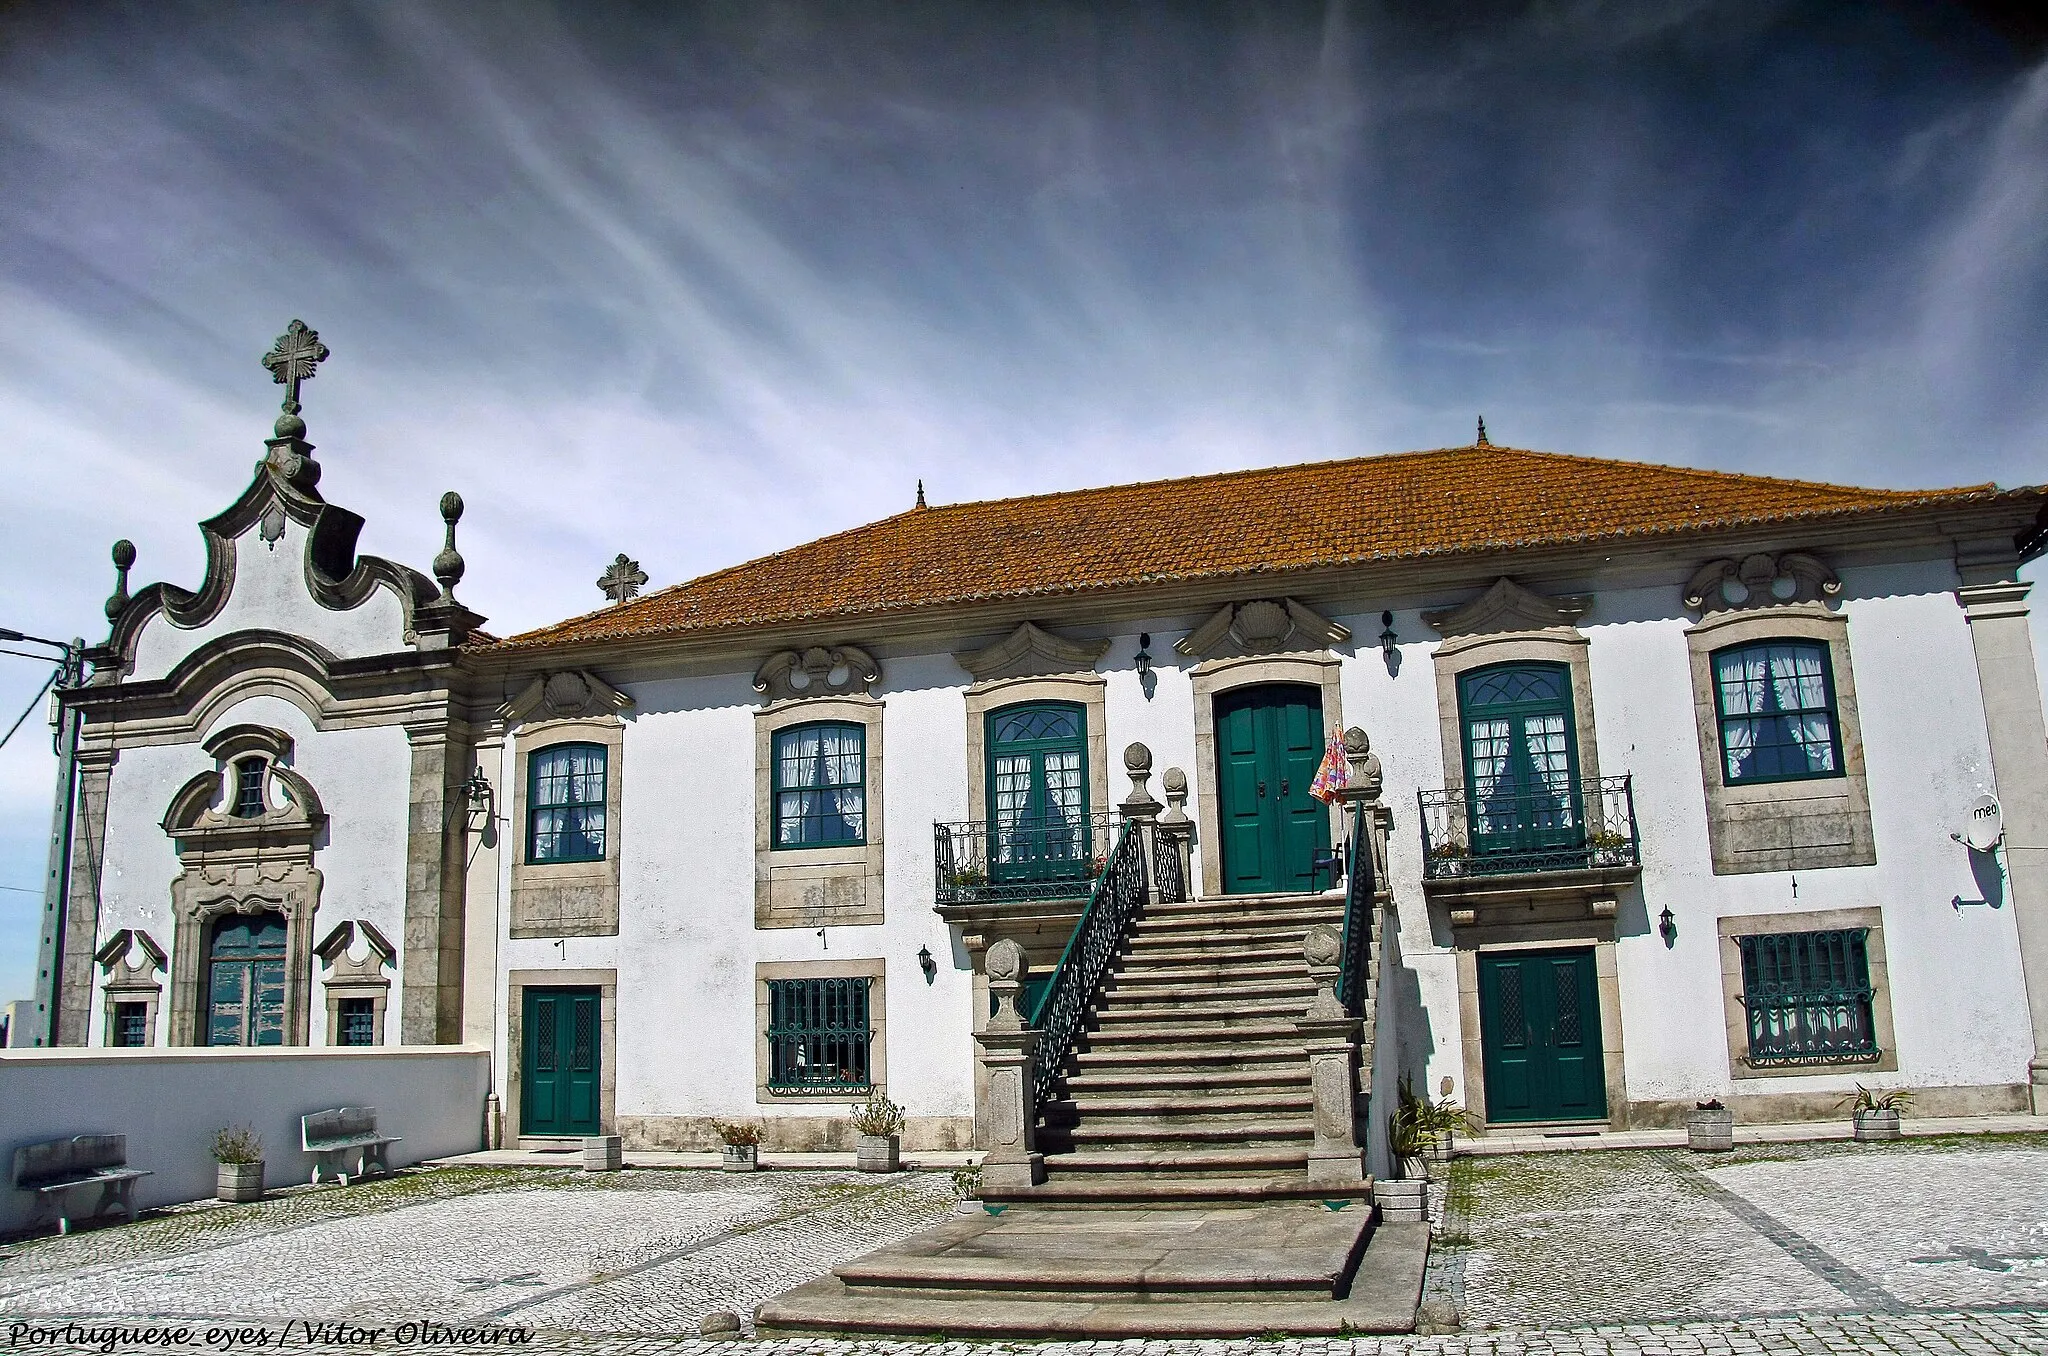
[47, 682]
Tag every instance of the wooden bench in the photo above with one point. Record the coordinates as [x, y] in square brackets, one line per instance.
[328, 1135]
[55, 1168]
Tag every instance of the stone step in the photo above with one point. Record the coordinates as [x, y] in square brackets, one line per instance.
[1257, 1102]
[1114, 1080]
[1124, 1134]
[1099, 1191]
[1146, 935]
[1193, 1034]
[1238, 955]
[1176, 1163]
[1171, 989]
[1219, 975]
[1178, 1058]
[1378, 1275]
[1196, 1011]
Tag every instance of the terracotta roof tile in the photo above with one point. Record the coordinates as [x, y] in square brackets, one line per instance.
[1269, 520]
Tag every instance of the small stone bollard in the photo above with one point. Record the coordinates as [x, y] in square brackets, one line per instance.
[1404, 1201]
[719, 1326]
[603, 1153]
[1710, 1129]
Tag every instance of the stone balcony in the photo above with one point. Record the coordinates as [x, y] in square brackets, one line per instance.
[1560, 852]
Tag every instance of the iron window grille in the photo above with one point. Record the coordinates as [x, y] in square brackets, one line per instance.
[131, 1024]
[1807, 997]
[820, 786]
[566, 804]
[249, 789]
[818, 1035]
[1776, 706]
[358, 1021]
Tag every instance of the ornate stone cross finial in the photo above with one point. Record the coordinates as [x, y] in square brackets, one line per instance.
[294, 358]
[621, 579]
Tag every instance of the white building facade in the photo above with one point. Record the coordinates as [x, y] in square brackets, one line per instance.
[1672, 761]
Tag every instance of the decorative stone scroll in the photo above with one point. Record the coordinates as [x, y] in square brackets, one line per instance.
[816, 672]
[1507, 606]
[1261, 626]
[1031, 649]
[566, 694]
[1760, 581]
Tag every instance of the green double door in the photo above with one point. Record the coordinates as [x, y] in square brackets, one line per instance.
[560, 1051]
[1539, 1029]
[1269, 741]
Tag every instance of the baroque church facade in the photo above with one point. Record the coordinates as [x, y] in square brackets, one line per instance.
[1654, 782]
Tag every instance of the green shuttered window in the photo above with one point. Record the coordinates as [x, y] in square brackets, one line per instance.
[566, 804]
[1776, 702]
[1807, 996]
[820, 785]
[818, 1035]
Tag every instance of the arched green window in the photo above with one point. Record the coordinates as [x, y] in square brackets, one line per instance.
[1038, 792]
[820, 785]
[245, 959]
[1776, 703]
[565, 804]
[1521, 759]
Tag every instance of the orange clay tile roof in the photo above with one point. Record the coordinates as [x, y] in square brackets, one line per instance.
[1265, 521]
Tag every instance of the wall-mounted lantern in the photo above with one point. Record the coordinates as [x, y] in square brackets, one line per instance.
[1388, 640]
[1143, 663]
[927, 964]
[476, 796]
[1667, 928]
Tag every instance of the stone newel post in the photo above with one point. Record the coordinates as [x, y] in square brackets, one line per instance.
[1330, 1036]
[1007, 1050]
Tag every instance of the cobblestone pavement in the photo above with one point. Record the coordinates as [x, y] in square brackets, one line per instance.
[1666, 1235]
[1814, 1249]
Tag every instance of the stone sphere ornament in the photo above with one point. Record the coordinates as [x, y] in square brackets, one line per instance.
[1006, 962]
[1323, 945]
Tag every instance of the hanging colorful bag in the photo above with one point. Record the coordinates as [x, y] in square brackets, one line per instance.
[1334, 774]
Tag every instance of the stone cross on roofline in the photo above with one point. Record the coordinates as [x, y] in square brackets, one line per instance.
[295, 357]
[622, 579]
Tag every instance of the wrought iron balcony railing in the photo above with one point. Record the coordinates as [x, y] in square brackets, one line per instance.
[1515, 830]
[978, 861]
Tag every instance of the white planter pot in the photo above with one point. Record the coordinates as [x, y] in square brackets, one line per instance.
[1414, 1168]
[1877, 1125]
[877, 1153]
[240, 1182]
[740, 1158]
[1710, 1132]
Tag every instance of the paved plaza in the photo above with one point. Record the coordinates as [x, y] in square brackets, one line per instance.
[1816, 1249]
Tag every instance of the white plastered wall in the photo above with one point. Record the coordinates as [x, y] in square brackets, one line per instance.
[362, 777]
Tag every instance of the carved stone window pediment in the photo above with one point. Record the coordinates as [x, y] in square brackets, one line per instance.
[565, 694]
[1760, 580]
[193, 822]
[817, 671]
[346, 969]
[116, 959]
[1031, 650]
[1261, 626]
[1507, 606]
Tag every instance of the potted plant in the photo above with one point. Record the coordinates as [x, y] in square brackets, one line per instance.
[1449, 859]
[742, 1145]
[1876, 1114]
[239, 1152]
[1710, 1128]
[967, 1188]
[879, 1124]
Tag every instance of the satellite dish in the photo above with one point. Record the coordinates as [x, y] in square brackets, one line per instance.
[1984, 824]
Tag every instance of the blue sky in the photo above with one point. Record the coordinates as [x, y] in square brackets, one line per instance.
[697, 283]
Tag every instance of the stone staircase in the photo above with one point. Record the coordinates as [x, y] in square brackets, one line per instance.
[1192, 1086]
[1176, 1199]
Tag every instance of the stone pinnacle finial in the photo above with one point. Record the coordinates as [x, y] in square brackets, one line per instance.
[622, 579]
[124, 556]
[448, 566]
[1482, 433]
[294, 358]
[920, 493]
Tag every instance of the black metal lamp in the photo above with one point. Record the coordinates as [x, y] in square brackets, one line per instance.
[1144, 659]
[927, 964]
[1387, 637]
[476, 793]
[1667, 928]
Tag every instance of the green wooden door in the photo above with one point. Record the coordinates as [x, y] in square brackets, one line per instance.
[1269, 741]
[1539, 1025]
[245, 980]
[1521, 766]
[559, 1055]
